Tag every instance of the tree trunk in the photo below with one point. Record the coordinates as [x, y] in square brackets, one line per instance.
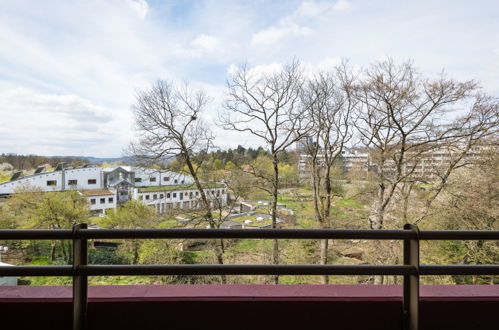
[63, 248]
[275, 250]
[324, 249]
[220, 253]
[52, 251]
[209, 215]
[329, 192]
[135, 252]
[376, 217]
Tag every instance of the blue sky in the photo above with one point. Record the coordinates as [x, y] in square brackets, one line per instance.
[69, 69]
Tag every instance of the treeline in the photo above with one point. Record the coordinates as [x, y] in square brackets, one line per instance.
[27, 162]
[240, 156]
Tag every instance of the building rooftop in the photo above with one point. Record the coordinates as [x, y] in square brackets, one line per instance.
[180, 187]
[96, 192]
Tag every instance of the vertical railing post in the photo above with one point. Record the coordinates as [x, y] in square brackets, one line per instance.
[411, 282]
[80, 282]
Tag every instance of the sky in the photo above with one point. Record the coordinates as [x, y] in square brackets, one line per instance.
[70, 70]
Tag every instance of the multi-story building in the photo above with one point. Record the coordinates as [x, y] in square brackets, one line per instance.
[418, 165]
[349, 160]
[106, 188]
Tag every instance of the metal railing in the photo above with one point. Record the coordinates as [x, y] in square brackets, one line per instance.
[411, 270]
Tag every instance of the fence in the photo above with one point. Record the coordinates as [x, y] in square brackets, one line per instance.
[411, 270]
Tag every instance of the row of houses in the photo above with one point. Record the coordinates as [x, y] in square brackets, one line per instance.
[106, 188]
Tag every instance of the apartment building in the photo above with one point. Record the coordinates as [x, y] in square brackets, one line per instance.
[419, 165]
[349, 160]
[107, 188]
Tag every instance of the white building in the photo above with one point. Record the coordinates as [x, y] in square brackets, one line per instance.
[106, 188]
[180, 197]
[349, 160]
[100, 200]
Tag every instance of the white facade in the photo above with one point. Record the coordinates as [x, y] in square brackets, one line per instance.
[350, 159]
[82, 178]
[181, 197]
[147, 177]
[106, 188]
[90, 178]
[99, 201]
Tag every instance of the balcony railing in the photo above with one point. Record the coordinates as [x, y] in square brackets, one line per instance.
[411, 270]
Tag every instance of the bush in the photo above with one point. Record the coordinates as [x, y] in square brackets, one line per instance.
[107, 257]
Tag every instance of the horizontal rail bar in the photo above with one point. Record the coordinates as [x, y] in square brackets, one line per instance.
[459, 235]
[35, 234]
[36, 271]
[56, 234]
[247, 270]
[245, 233]
[199, 269]
[459, 270]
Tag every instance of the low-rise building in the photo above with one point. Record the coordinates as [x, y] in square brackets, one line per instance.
[107, 188]
[100, 201]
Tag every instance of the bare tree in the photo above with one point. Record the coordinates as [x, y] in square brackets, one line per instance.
[403, 117]
[168, 122]
[268, 106]
[330, 105]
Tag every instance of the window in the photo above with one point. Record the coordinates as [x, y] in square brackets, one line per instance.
[92, 201]
[92, 181]
[168, 195]
[110, 200]
[102, 200]
[176, 181]
[152, 179]
[181, 196]
[161, 196]
[138, 180]
[190, 195]
[154, 196]
[51, 182]
[174, 195]
[147, 197]
[183, 181]
[72, 182]
[197, 193]
[166, 178]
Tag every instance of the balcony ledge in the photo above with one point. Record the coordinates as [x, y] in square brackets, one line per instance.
[251, 307]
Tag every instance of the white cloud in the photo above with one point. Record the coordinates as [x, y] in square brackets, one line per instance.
[296, 23]
[206, 42]
[342, 5]
[202, 45]
[274, 34]
[315, 8]
[257, 70]
[80, 71]
[328, 62]
[140, 7]
[53, 124]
